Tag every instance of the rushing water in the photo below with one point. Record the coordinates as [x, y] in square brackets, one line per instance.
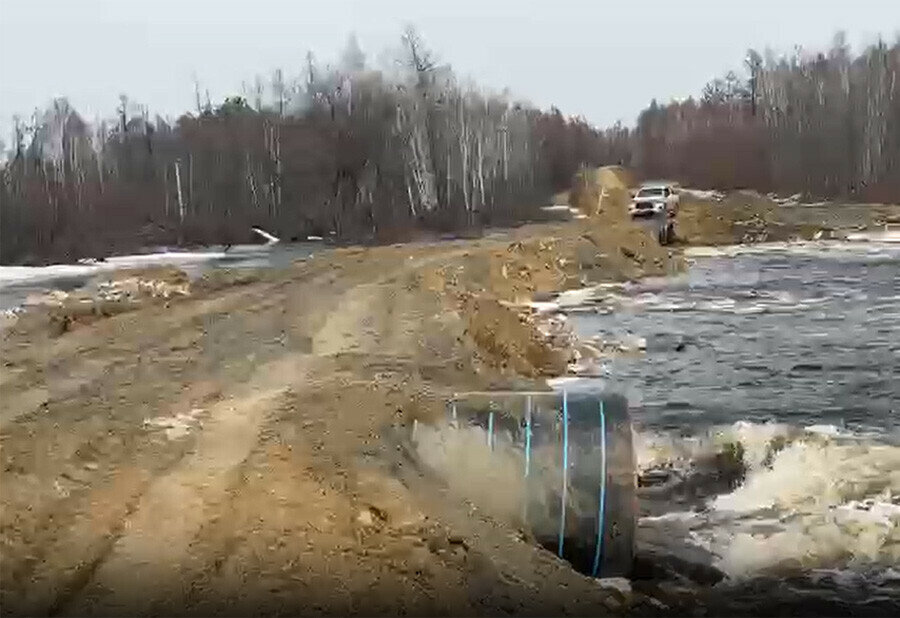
[766, 405]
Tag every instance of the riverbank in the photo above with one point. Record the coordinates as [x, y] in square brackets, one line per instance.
[241, 446]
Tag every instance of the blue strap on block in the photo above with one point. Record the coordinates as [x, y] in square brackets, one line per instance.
[527, 436]
[490, 436]
[601, 508]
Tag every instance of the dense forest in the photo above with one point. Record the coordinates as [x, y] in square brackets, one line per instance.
[362, 154]
[825, 124]
[343, 150]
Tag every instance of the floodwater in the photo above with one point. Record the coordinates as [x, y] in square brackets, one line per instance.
[17, 283]
[768, 429]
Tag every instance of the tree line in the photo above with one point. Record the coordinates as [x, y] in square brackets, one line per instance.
[345, 151]
[364, 154]
[825, 125]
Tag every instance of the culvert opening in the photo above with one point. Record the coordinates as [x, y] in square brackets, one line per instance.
[559, 464]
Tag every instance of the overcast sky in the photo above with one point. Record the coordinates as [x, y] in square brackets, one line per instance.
[600, 59]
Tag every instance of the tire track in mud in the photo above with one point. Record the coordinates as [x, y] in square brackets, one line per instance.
[146, 562]
[60, 553]
[185, 317]
[146, 538]
[100, 438]
[308, 518]
[108, 583]
[70, 382]
[64, 538]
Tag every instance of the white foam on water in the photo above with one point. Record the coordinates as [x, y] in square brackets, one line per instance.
[742, 304]
[816, 248]
[832, 431]
[663, 449]
[816, 471]
[573, 298]
[719, 304]
[813, 498]
[677, 516]
[749, 309]
[543, 306]
[762, 302]
[889, 575]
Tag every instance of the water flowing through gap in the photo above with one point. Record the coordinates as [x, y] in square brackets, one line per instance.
[765, 404]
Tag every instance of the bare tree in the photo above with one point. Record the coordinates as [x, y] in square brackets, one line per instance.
[346, 150]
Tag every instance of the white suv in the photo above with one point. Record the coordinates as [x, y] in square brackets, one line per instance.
[654, 199]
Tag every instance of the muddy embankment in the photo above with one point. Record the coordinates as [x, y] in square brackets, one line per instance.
[238, 445]
[746, 217]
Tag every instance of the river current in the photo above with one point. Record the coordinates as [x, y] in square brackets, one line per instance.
[765, 405]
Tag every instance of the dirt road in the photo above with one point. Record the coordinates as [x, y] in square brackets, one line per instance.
[234, 452]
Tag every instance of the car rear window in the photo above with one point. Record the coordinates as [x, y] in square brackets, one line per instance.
[651, 192]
